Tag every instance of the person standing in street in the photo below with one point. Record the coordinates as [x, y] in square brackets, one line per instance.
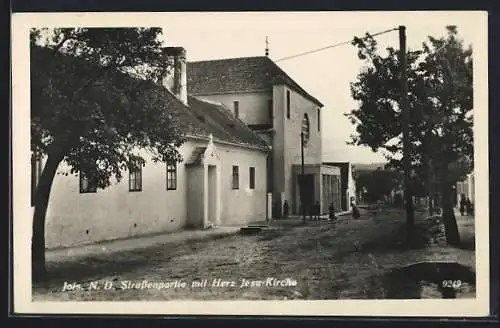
[331, 213]
[468, 207]
[286, 208]
[355, 211]
[463, 203]
[317, 210]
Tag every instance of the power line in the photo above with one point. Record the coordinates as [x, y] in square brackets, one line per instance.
[333, 45]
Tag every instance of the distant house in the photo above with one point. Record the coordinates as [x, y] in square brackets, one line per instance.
[277, 108]
[347, 184]
[221, 181]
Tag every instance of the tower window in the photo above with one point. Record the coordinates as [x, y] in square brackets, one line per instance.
[287, 103]
[270, 108]
[252, 177]
[319, 120]
[236, 105]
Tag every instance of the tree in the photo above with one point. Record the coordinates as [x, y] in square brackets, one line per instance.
[378, 184]
[89, 112]
[447, 74]
[440, 104]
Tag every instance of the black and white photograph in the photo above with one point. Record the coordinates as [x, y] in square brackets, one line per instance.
[303, 163]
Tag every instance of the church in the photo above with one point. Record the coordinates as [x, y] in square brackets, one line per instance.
[250, 128]
[281, 112]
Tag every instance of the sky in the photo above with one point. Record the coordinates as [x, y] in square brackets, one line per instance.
[326, 74]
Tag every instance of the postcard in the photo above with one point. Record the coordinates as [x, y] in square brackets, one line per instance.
[251, 163]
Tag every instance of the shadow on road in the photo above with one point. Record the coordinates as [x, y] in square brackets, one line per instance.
[446, 278]
[96, 267]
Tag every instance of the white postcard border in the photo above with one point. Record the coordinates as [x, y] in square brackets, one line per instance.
[22, 22]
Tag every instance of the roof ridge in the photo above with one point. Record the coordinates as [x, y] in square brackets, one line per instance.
[225, 59]
[297, 85]
[246, 73]
[224, 113]
[206, 100]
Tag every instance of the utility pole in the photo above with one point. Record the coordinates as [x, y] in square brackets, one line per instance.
[405, 122]
[302, 177]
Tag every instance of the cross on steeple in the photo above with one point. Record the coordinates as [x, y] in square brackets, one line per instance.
[267, 46]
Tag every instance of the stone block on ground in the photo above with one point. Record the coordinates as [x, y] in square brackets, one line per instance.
[250, 230]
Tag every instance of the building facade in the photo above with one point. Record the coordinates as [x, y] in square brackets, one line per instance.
[221, 180]
[273, 105]
[347, 191]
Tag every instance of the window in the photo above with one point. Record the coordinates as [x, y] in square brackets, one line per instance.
[36, 172]
[236, 177]
[172, 176]
[270, 109]
[88, 184]
[236, 108]
[252, 177]
[305, 129]
[319, 120]
[287, 103]
[135, 180]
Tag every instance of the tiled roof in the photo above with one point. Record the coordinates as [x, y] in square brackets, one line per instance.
[196, 155]
[260, 127]
[217, 120]
[199, 118]
[248, 74]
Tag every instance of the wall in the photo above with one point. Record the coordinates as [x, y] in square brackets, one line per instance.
[194, 198]
[242, 205]
[278, 145]
[317, 171]
[351, 186]
[74, 218]
[267, 136]
[253, 107]
[291, 132]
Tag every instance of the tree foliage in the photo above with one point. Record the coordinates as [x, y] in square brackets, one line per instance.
[377, 184]
[96, 105]
[440, 101]
[86, 107]
[440, 106]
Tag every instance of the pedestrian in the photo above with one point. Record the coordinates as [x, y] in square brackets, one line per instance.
[462, 204]
[468, 206]
[355, 211]
[286, 208]
[331, 212]
[317, 210]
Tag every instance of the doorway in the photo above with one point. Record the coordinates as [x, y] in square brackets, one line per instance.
[212, 193]
[306, 191]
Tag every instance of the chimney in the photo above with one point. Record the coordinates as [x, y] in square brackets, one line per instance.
[177, 81]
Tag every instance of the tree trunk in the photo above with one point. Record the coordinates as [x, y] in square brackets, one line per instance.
[431, 205]
[430, 185]
[410, 214]
[450, 223]
[41, 203]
